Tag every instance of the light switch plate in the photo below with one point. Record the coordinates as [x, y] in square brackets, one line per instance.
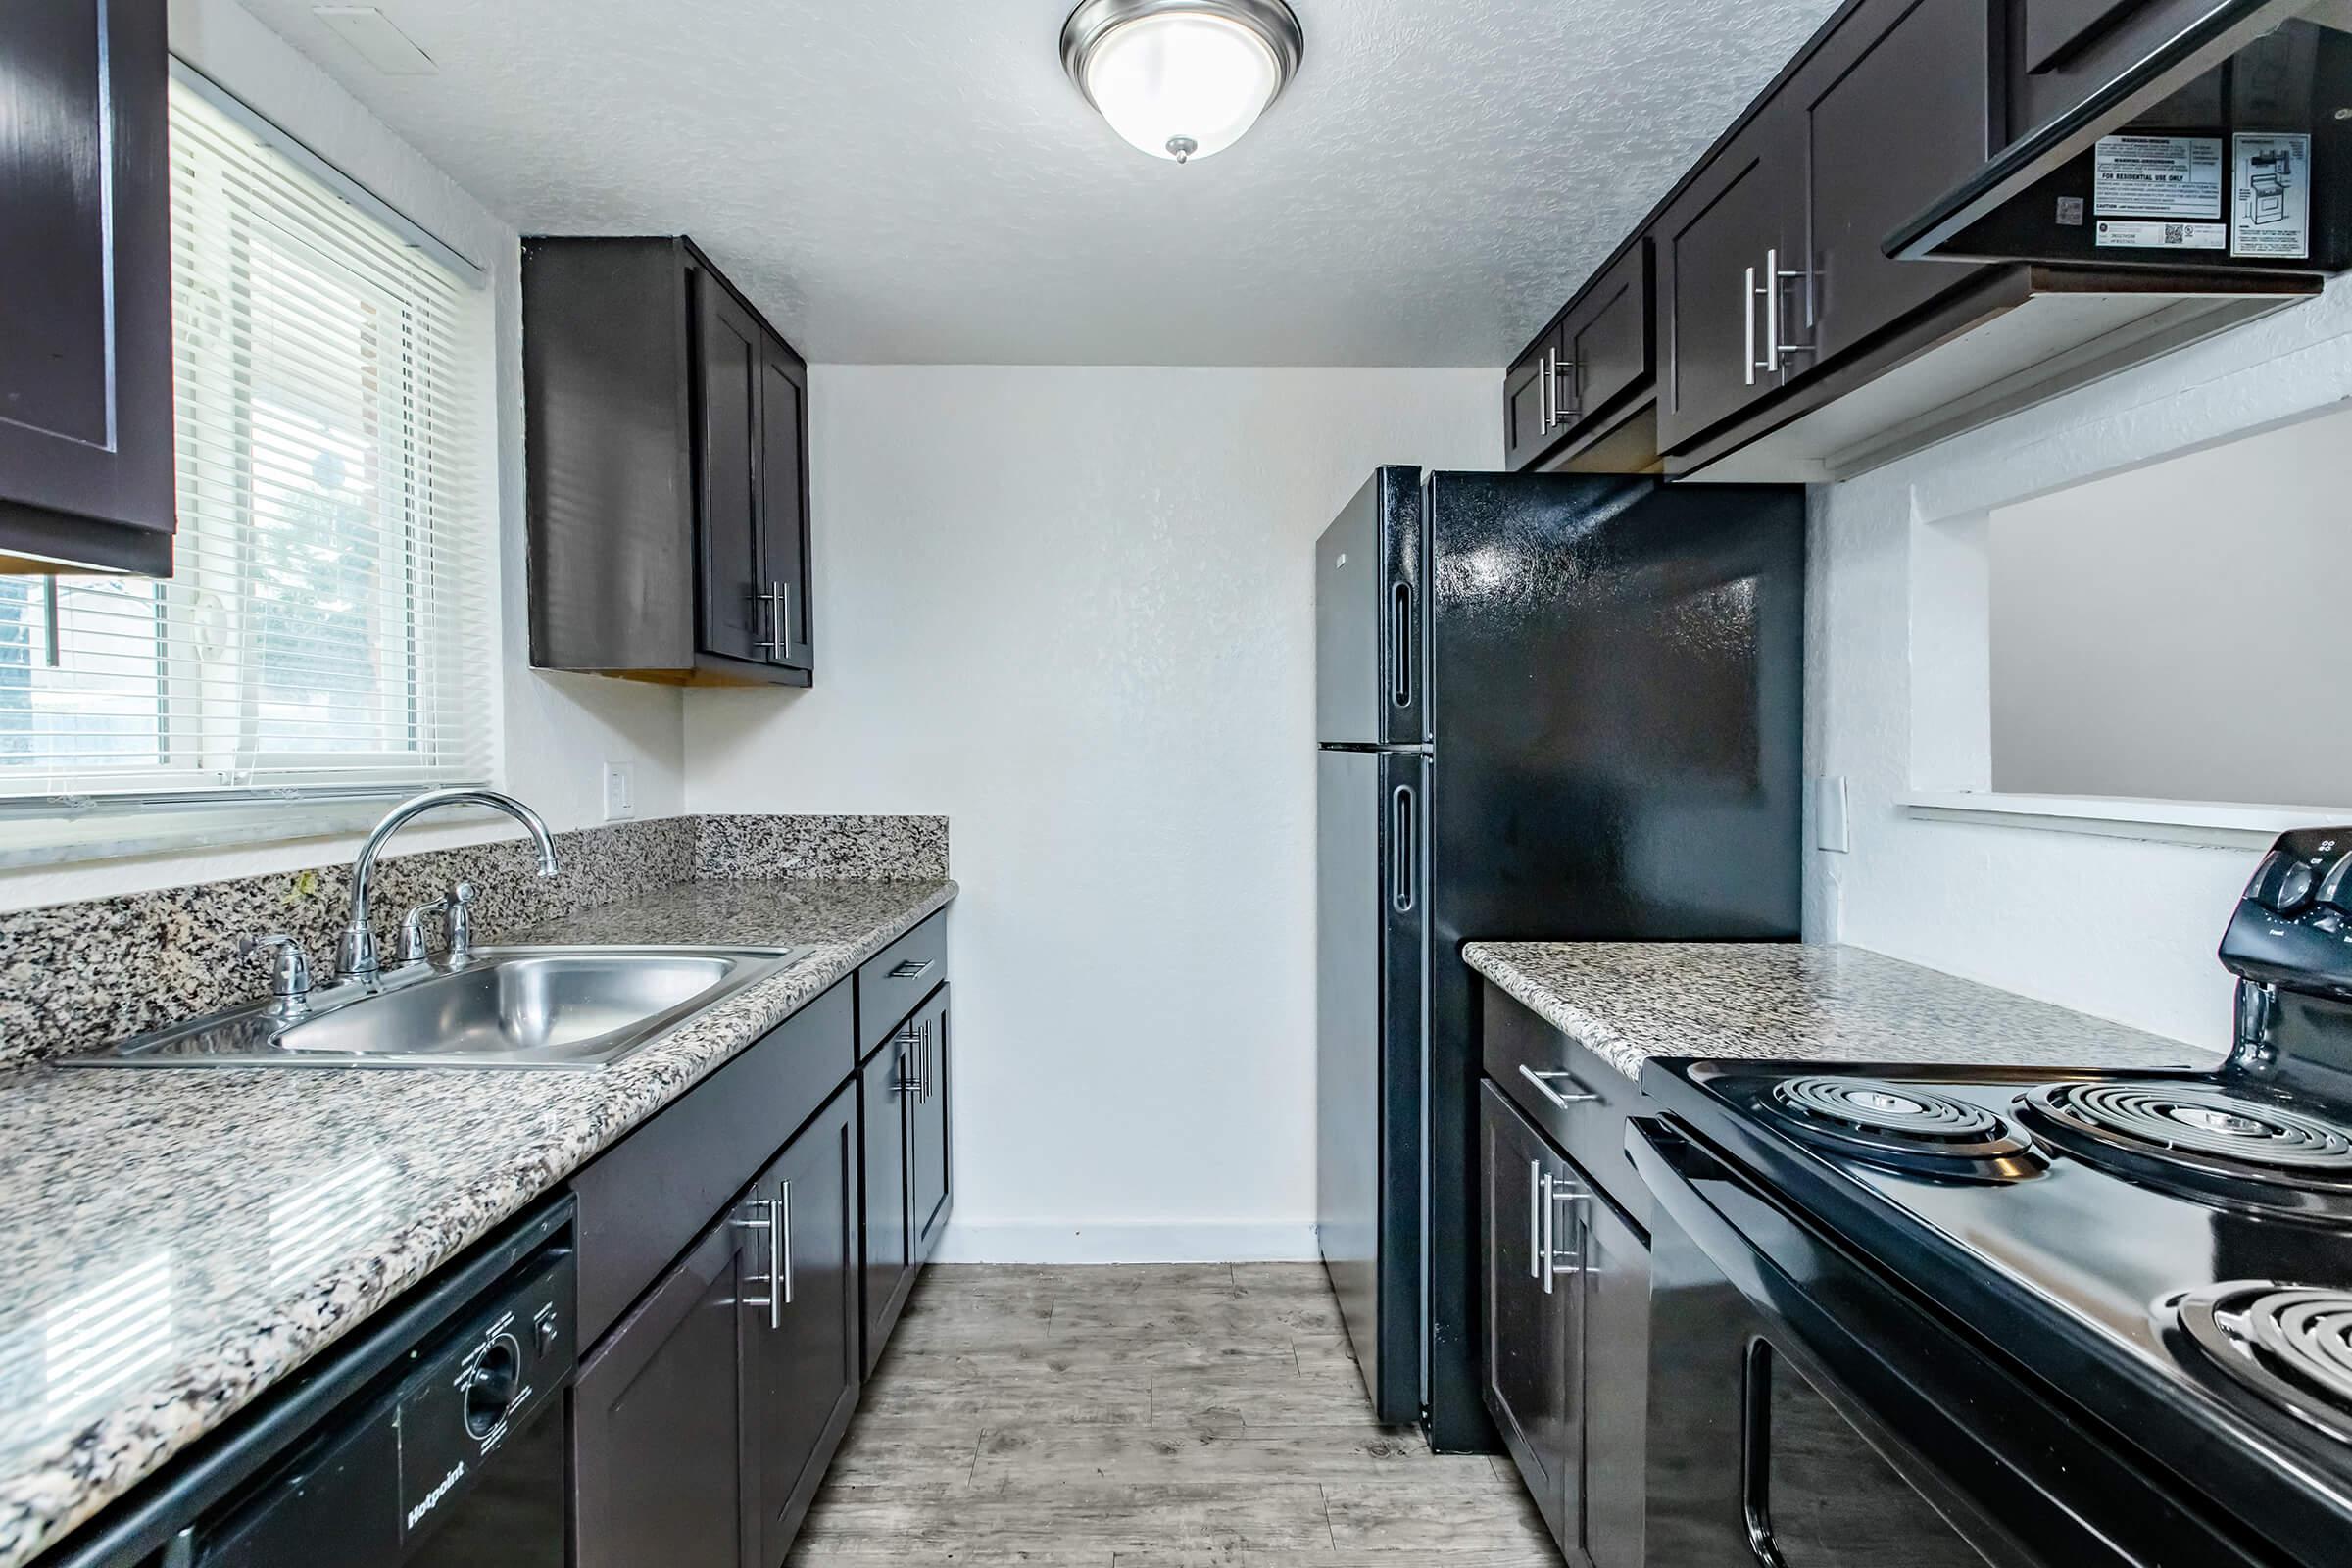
[621, 791]
[1829, 829]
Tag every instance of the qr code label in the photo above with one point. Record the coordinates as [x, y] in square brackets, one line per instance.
[2149, 235]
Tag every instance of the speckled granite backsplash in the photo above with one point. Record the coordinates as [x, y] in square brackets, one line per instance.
[838, 849]
[76, 975]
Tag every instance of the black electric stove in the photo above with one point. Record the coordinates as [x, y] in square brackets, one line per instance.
[2047, 1317]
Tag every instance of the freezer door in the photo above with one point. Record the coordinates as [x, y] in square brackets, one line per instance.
[1369, 653]
[1371, 898]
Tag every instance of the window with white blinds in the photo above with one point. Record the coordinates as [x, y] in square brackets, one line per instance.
[328, 628]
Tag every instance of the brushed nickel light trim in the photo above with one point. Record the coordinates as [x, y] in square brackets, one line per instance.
[1273, 23]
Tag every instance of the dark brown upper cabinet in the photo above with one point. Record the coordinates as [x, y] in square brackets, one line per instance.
[1569, 392]
[1784, 284]
[1914, 74]
[1730, 268]
[85, 289]
[666, 430]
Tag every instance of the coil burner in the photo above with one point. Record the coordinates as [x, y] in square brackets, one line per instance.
[2289, 1344]
[2224, 1146]
[1903, 1126]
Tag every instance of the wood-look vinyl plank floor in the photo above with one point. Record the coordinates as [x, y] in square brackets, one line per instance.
[1184, 1417]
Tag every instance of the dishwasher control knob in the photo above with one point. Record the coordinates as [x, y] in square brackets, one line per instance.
[2336, 888]
[2291, 894]
[490, 1387]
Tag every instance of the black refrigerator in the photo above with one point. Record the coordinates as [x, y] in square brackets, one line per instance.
[1546, 706]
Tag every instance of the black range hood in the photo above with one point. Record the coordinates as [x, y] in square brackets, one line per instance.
[2234, 117]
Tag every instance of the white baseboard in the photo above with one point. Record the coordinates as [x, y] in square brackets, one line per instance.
[1145, 1241]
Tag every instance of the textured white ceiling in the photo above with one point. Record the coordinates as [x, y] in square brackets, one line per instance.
[919, 181]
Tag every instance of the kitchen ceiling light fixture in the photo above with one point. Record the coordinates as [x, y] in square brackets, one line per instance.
[1182, 78]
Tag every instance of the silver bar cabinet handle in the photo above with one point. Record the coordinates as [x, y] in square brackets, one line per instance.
[783, 591]
[1574, 1194]
[776, 1309]
[908, 1083]
[1775, 349]
[912, 970]
[764, 604]
[1545, 1253]
[1542, 394]
[1748, 312]
[1534, 1219]
[1583, 1095]
[779, 1236]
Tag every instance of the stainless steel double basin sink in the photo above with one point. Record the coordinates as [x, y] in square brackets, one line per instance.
[570, 1008]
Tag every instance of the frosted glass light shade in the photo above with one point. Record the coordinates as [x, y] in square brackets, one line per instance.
[1181, 81]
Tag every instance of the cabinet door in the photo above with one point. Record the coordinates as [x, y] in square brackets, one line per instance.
[884, 1087]
[1534, 1310]
[657, 1418]
[1606, 343]
[784, 505]
[1738, 221]
[1527, 424]
[927, 1128]
[85, 286]
[802, 1363]
[1896, 109]
[1616, 1287]
[730, 611]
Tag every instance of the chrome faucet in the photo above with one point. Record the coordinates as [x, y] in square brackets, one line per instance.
[355, 953]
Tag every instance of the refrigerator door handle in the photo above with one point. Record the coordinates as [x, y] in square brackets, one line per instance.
[1402, 861]
[1400, 644]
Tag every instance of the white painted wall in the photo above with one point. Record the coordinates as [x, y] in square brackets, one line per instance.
[1073, 610]
[2119, 927]
[556, 730]
[2131, 616]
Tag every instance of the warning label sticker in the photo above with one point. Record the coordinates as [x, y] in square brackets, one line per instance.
[2142, 234]
[2271, 197]
[2157, 177]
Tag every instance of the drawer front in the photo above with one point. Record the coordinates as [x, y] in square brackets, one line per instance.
[894, 982]
[1608, 348]
[646, 1199]
[1579, 1100]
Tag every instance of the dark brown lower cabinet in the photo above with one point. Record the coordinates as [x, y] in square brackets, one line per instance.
[888, 1266]
[1534, 1314]
[657, 1417]
[803, 1366]
[703, 1424]
[928, 1192]
[1566, 1340]
[903, 1097]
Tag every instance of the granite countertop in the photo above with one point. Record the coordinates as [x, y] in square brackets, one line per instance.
[177, 1240]
[1778, 1001]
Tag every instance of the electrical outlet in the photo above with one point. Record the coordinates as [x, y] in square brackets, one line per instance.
[621, 791]
[1830, 829]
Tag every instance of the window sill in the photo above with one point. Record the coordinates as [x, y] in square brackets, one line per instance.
[2249, 827]
[29, 842]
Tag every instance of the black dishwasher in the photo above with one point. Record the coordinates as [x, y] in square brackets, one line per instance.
[437, 1439]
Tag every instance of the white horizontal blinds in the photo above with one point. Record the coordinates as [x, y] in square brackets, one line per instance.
[327, 627]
